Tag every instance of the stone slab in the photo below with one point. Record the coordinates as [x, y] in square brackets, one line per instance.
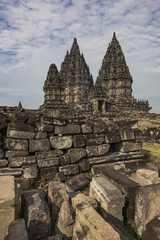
[21, 161]
[131, 147]
[94, 139]
[78, 182]
[7, 202]
[48, 154]
[61, 142]
[12, 153]
[48, 162]
[71, 169]
[20, 134]
[67, 129]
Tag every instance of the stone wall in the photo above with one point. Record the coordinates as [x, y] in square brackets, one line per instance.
[57, 148]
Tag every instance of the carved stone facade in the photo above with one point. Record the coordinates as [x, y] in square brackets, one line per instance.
[72, 88]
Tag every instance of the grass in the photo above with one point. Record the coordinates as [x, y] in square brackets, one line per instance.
[148, 124]
[152, 150]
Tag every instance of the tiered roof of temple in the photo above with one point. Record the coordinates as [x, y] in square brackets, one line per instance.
[73, 88]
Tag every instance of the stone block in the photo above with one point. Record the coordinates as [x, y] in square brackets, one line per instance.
[20, 127]
[17, 230]
[36, 214]
[1, 153]
[39, 145]
[146, 206]
[140, 180]
[153, 229]
[94, 139]
[3, 162]
[126, 133]
[69, 169]
[86, 128]
[84, 165]
[92, 151]
[66, 220]
[100, 128]
[7, 204]
[60, 177]
[112, 137]
[21, 161]
[48, 173]
[48, 154]
[12, 153]
[103, 149]
[80, 198]
[151, 175]
[64, 159]
[53, 121]
[131, 147]
[126, 185]
[40, 135]
[61, 142]
[20, 134]
[44, 127]
[16, 144]
[48, 162]
[30, 171]
[78, 141]
[76, 154]
[78, 182]
[11, 172]
[67, 129]
[108, 196]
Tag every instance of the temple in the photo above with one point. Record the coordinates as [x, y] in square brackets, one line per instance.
[72, 88]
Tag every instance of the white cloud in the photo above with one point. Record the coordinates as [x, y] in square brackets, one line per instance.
[34, 34]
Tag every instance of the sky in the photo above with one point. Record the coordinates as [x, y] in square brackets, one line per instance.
[36, 33]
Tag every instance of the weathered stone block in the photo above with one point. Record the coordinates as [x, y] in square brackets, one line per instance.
[151, 175]
[39, 145]
[17, 230]
[94, 139]
[100, 128]
[49, 162]
[61, 142]
[78, 182]
[53, 120]
[21, 161]
[112, 137]
[108, 196]
[126, 133]
[67, 129]
[65, 159]
[11, 172]
[103, 149]
[40, 135]
[131, 147]
[20, 127]
[12, 153]
[80, 198]
[1, 153]
[86, 128]
[48, 154]
[84, 165]
[48, 173]
[7, 204]
[153, 229]
[146, 206]
[30, 171]
[76, 154]
[92, 151]
[16, 144]
[70, 169]
[36, 214]
[20, 134]
[78, 141]
[42, 127]
[3, 162]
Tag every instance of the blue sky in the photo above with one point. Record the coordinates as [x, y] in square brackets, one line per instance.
[34, 34]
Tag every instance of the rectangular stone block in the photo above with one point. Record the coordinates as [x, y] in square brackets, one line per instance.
[100, 128]
[78, 141]
[54, 121]
[30, 171]
[3, 162]
[146, 206]
[48, 173]
[16, 144]
[7, 203]
[84, 165]
[108, 196]
[65, 159]
[10, 172]
[131, 147]
[40, 135]
[42, 127]
[21, 161]
[67, 129]
[48, 154]
[103, 149]
[20, 127]
[112, 137]
[48, 162]
[61, 142]
[76, 154]
[39, 145]
[126, 133]
[94, 139]
[86, 128]
[12, 153]
[70, 169]
[92, 151]
[20, 134]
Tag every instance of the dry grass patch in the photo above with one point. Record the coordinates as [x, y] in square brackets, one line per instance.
[152, 150]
